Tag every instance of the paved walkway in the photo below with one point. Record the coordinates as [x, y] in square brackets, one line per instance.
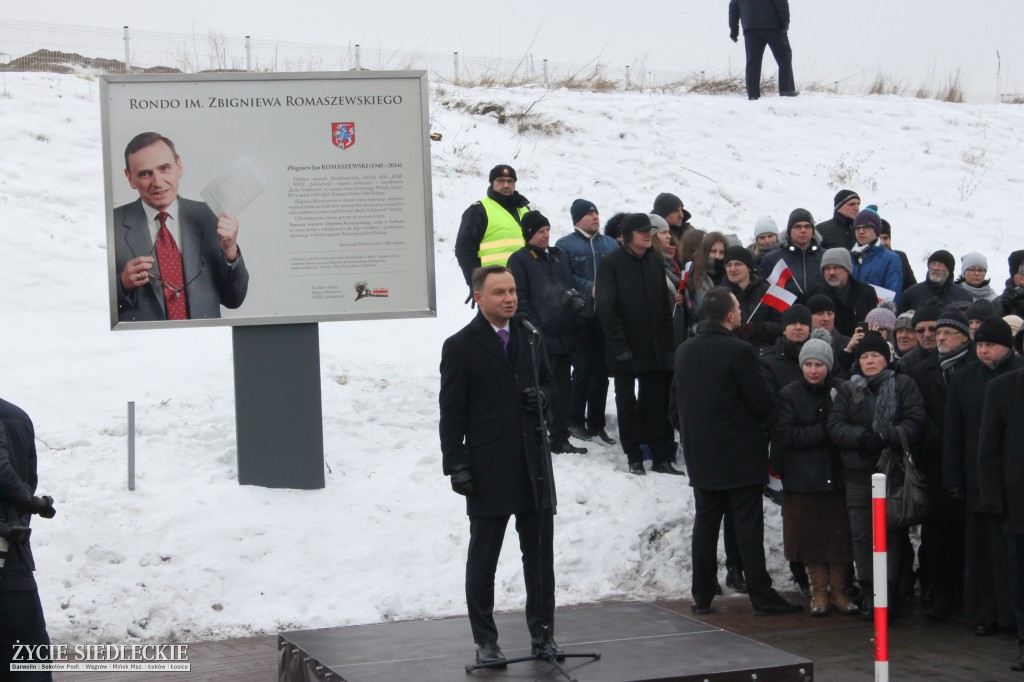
[840, 646]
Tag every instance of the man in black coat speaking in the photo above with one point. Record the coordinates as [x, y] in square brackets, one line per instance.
[722, 400]
[492, 449]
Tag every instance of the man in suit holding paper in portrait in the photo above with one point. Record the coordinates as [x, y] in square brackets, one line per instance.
[175, 259]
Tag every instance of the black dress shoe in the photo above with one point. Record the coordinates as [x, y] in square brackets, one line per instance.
[489, 653]
[986, 629]
[562, 446]
[547, 648]
[795, 93]
[637, 468]
[734, 579]
[700, 610]
[777, 606]
[666, 468]
[580, 433]
[939, 608]
[1018, 665]
[603, 435]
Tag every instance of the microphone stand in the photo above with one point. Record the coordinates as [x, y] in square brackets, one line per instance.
[545, 478]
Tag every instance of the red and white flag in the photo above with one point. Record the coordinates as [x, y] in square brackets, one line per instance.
[778, 298]
[884, 294]
[780, 275]
[686, 275]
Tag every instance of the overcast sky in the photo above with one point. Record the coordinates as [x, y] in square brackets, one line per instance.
[919, 42]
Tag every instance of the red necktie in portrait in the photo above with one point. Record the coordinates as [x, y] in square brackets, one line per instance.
[172, 276]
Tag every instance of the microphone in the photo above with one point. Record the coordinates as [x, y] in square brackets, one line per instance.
[525, 324]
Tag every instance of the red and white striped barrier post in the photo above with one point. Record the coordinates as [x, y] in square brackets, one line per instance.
[881, 581]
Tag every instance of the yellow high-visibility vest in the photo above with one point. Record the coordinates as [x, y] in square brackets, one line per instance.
[503, 235]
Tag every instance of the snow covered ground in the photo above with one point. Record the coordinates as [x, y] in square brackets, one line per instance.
[191, 554]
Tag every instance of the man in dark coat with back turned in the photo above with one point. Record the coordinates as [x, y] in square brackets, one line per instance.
[986, 583]
[765, 23]
[21, 614]
[635, 311]
[722, 401]
[1001, 478]
[492, 450]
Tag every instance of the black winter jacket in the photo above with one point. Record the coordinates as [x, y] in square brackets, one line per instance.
[946, 293]
[758, 14]
[853, 302]
[802, 452]
[837, 232]
[474, 226]
[542, 280]
[852, 415]
[18, 480]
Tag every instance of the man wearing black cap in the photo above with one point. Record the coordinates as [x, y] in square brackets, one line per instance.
[942, 533]
[635, 311]
[986, 580]
[800, 250]
[670, 207]
[839, 230]
[547, 298]
[852, 299]
[586, 248]
[761, 323]
[765, 24]
[490, 231]
[938, 284]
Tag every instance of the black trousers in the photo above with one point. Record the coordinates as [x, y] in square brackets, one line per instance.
[1015, 556]
[558, 412]
[21, 620]
[589, 377]
[944, 559]
[748, 521]
[643, 414]
[755, 40]
[986, 579]
[486, 534]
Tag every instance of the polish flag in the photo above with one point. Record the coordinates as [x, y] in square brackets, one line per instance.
[778, 298]
[686, 275]
[780, 275]
[884, 294]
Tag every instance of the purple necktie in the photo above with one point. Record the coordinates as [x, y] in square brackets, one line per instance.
[503, 335]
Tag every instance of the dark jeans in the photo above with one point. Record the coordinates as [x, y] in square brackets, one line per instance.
[589, 377]
[643, 414]
[748, 521]
[558, 411]
[21, 620]
[755, 40]
[486, 534]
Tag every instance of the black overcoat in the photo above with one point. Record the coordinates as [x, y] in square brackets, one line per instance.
[722, 401]
[635, 311]
[1001, 449]
[483, 425]
[962, 425]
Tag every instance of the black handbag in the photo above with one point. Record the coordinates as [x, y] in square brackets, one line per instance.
[906, 497]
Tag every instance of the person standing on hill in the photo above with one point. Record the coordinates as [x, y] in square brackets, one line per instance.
[491, 230]
[765, 23]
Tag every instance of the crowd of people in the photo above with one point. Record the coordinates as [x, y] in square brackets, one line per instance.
[810, 358]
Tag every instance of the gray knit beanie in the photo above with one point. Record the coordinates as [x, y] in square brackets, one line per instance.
[819, 348]
[837, 256]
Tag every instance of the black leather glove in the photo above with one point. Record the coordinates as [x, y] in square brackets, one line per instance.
[462, 482]
[532, 399]
[624, 357]
[470, 300]
[734, 37]
[995, 510]
[42, 506]
[871, 443]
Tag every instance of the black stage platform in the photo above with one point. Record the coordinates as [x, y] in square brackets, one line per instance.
[638, 642]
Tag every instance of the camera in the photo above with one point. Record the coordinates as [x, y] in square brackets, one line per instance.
[573, 301]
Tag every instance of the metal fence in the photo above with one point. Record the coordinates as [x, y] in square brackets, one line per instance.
[41, 46]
